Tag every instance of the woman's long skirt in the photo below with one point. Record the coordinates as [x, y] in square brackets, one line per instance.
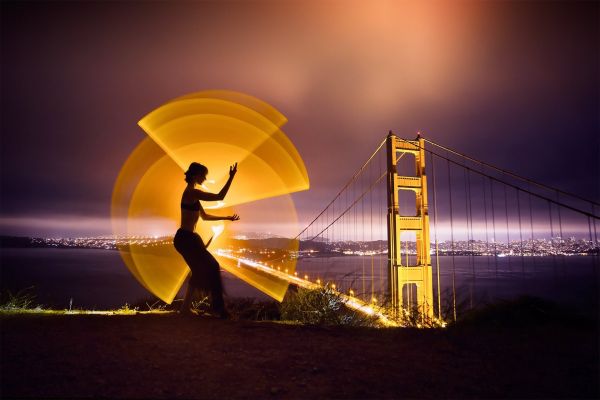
[206, 273]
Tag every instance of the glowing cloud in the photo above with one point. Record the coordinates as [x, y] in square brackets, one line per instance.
[215, 128]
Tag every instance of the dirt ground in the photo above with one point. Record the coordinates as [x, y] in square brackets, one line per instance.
[169, 356]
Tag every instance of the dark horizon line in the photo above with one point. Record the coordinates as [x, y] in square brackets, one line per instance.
[158, 238]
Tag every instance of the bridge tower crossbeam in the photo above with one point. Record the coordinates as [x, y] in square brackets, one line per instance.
[402, 278]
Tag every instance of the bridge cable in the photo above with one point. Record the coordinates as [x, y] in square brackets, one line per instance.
[470, 236]
[372, 270]
[590, 228]
[452, 243]
[347, 184]
[494, 231]
[511, 173]
[487, 240]
[437, 252]
[356, 201]
[596, 248]
[332, 225]
[356, 229]
[595, 233]
[381, 284]
[532, 237]
[508, 244]
[593, 255]
[364, 238]
[520, 234]
[558, 203]
[472, 229]
[355, 235]
[552, 238]
[562, 239]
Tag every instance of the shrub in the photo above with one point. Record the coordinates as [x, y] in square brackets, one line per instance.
[22, 300]
[322, 306]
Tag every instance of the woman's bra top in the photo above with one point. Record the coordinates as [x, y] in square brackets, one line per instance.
[192, 207]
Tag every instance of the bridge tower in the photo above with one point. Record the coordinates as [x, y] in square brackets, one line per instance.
[408, 284]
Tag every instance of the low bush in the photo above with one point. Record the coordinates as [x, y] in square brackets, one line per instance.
[322, 306]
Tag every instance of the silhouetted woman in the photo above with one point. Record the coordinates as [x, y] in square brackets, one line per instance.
[206, 274]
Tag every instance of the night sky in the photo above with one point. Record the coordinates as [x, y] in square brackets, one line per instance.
[512, 83]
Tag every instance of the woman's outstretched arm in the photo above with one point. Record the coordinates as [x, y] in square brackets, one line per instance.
[200, 195]
[209, 217]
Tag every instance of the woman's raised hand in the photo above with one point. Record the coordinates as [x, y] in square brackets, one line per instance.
[234, 217]
[232, 170]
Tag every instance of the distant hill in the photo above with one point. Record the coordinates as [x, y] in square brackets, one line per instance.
[17, 241]
[274, 243]
[268, 243]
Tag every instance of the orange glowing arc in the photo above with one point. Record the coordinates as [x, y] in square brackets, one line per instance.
[216, 128]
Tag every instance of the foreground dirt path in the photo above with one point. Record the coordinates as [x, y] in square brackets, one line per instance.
[167, 356]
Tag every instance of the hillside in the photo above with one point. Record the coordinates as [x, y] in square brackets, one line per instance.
[168, 356]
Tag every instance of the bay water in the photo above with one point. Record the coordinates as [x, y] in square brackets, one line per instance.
[99, 279]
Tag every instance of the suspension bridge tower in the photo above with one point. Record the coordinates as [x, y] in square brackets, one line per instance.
[409, 285]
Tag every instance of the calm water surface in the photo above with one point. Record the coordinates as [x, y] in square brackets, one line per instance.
[95, 279]
[99, 279]
[572, 280]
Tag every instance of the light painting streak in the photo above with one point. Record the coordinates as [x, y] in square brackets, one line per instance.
[215, 128]
[351, 302]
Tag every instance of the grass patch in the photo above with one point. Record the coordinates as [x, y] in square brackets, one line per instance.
[248, 309]
[322, 306]
[326, 307]
[24, 299]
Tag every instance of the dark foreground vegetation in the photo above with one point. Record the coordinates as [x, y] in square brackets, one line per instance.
[523, 349]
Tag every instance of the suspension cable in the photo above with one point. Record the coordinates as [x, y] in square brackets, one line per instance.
[533, 248]
[562, 239]
[520, 233]
[345, 186]
[494, 228]
[590, 232]
[347, 209]
[371, 237]
[514, 186]
[469, 233]
[595, 232]
[509, 247]
[487, 240]
[362, 213]
[452, 244]
[552, 238]
[437, 252]
[381, 287]
[510, 173]
[356, 201]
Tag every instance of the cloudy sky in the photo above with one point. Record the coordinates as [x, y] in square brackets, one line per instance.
[513, 83]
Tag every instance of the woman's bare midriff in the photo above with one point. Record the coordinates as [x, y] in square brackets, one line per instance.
[189, 219]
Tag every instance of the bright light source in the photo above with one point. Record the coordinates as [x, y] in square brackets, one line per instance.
[217, 230]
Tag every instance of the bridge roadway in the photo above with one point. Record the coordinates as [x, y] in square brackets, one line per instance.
[351, 302]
